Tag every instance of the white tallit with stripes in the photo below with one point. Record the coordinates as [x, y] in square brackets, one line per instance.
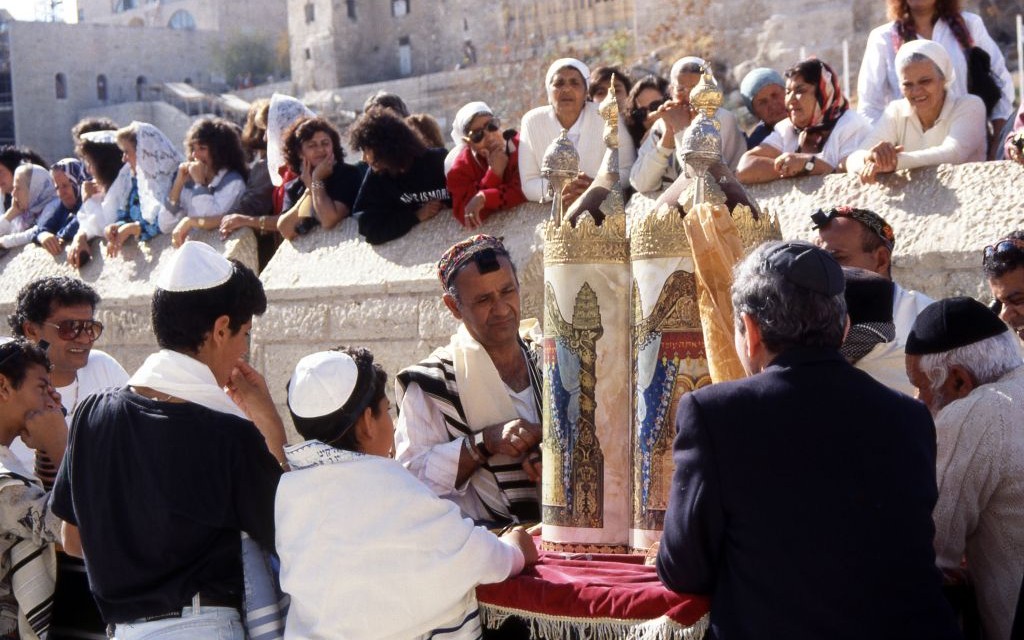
[31, 568]
[465, 384]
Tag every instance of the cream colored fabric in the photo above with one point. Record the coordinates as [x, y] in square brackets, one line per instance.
[980, 511]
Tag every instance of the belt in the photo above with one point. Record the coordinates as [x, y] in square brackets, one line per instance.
[198, 601]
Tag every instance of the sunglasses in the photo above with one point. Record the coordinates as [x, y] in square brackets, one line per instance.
[649, 109]
[1003, 247]
[476, 135]
[71, 329]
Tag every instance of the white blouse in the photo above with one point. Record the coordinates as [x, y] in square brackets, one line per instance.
[878, 83]
[845, 138]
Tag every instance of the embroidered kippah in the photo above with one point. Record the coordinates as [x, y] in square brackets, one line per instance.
[952, 323]
[462, 252]
[866, 217]
[806, 266]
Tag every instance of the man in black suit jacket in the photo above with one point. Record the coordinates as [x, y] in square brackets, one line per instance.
[803, 495]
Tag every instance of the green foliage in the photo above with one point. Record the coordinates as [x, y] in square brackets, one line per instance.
[253, 54]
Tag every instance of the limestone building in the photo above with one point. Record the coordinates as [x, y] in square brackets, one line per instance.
[226, 16]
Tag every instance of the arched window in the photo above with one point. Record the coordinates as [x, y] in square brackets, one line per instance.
[60, 86]
[125, 5]
[182, 20]
[101, 88]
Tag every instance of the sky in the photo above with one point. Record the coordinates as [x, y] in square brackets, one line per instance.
[26, 9]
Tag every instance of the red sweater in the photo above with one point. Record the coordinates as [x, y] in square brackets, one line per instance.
[469, 176]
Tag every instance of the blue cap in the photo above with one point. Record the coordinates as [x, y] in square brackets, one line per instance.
[756, 80]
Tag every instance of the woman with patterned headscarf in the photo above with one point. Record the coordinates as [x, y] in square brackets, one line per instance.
[59, 228]
[977, 62]
[819, 134]
[33, 198]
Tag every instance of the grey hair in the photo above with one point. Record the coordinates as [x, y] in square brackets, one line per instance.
[920, 57]
[787, 315]
[987, 360]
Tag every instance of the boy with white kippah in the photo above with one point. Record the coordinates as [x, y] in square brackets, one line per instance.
[163, 475]
[346, 509]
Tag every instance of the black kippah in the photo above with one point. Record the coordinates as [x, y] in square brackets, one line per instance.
[868, 296]
[806, 266]
[952, 323]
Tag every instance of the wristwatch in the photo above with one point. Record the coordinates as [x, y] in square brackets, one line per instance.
[478, 442]
[809, 166]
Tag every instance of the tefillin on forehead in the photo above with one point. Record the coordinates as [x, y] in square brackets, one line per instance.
[486, 261]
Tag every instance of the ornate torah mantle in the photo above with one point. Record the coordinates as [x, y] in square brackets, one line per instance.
[586, 406]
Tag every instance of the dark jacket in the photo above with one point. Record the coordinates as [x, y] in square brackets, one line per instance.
[802, 503]
[386, 205]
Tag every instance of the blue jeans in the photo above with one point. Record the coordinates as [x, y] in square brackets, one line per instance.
[211, 623]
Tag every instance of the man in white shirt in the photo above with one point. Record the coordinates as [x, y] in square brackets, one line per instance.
[862, 238]
[469, 415]
[966, 366]
[61, 311]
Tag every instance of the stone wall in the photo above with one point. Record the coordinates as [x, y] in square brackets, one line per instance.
[125, 284]
[167, 118]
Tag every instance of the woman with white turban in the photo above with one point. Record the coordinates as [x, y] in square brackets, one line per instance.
[930, 125]
[566, 86]
[483, 167]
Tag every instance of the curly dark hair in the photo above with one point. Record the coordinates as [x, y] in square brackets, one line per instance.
[634, 124]
[223, 141]
[393, 142]
[604, 74]
[17, 356]
[104, 159]
[254, 132]
[999, 264]
[335, 428]
[11, 157]
[88, 125]
[387, 100]
[182, 319]
[428, 129]
[38, 299]
[304, 129]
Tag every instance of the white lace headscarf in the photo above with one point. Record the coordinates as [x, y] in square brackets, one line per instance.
[156, 163]
[284, 110]
[463, 118]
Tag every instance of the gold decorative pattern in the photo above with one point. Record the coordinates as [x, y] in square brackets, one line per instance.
[583, 547]
[754, 232]
[658, 234]
[587, 242]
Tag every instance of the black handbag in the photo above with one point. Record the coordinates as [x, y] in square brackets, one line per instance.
[980, 80]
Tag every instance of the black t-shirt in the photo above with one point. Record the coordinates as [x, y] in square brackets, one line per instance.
[160, 492]
[342, 185]
[387, 204]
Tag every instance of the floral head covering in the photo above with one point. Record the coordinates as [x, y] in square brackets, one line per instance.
[874, 222]
[284, 110]
[832, 104]
[76, 173]
[156, 163]
[461, 253]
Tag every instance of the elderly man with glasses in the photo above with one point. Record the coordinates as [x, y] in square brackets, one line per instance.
[61, 311]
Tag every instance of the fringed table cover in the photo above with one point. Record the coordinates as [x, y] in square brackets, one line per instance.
[593, 597]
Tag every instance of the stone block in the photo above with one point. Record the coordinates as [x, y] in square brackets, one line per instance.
[436, 321]
[375, 318]
[289, 321]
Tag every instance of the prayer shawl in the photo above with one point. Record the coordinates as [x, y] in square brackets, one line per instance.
[464, 382]
[32, 570]
[183, 377]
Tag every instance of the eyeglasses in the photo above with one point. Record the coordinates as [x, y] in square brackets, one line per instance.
[476, 135]
[1003, 247]
[71, 329]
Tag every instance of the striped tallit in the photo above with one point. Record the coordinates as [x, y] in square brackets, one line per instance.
[32, 572]
[464, 383]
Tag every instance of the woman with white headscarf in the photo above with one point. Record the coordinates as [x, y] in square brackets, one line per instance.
[483, 167]
[566, 86]
[930, 125]
[153, 160]
[33, 198]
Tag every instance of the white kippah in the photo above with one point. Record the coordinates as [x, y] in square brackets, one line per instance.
[322, 383]
[105, 136]
[193, 267]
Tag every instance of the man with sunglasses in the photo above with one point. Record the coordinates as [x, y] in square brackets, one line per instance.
[1004, 268]
[61, 311]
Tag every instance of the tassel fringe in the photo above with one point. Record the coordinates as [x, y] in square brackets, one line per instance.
[553, 627]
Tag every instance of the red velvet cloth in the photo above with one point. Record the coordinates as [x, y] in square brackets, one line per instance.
[594, 586]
